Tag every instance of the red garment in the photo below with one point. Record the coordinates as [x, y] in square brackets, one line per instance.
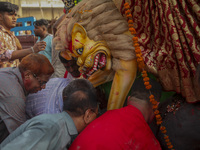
[66, 73]
[168, 34]
[121, 129]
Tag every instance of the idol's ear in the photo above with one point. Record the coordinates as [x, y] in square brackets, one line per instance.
[78, 29]
[79, 37]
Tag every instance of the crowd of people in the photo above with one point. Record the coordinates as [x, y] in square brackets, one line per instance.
[41, 110]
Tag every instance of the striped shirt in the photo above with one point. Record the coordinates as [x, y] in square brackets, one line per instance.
[48, 100]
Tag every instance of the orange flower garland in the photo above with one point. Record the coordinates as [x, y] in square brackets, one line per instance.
[141, 66]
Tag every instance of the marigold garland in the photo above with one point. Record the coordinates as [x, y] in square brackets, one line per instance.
[141, 66]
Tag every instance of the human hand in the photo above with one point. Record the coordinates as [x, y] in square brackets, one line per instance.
[39, 46]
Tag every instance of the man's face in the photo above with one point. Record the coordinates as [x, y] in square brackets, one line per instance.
[33, 83]
[8, 20]
[38, 30]
[72, 68]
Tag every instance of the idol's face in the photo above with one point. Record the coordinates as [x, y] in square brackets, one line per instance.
[93, 57]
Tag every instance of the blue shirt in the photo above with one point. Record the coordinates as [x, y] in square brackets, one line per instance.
[48, 100]
[43, 132]
[48, 50]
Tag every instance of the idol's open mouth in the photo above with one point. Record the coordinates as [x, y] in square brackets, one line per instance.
[99, 63]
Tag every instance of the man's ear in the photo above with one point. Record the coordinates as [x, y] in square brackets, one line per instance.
[88, 116]
[44, 28]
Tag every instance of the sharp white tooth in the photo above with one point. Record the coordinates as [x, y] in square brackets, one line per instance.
[91, 71]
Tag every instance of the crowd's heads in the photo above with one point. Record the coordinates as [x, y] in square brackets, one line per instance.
[79, 96]
[41, 22]
[70, 66]
[37, 64]
[41, 27]
[8, 7]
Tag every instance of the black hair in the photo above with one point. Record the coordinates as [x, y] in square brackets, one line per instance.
[79, 100]
[78, 84]
[41, 22]
[8, 7]
[139, 91]
[78, 96]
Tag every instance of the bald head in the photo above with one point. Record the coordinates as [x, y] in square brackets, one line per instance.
[79, 100]
[139, 91]
[140, 97]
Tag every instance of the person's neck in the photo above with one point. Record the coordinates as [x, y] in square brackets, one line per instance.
[146, 112]
[7, 29]
[44, 36]
[78, 121]
[144, 109]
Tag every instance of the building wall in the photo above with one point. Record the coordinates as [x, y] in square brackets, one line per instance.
[47, 9]
[46, 13]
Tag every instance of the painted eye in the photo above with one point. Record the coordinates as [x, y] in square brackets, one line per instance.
[79, 51]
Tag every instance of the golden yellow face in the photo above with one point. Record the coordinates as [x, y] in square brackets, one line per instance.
[93, 57]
